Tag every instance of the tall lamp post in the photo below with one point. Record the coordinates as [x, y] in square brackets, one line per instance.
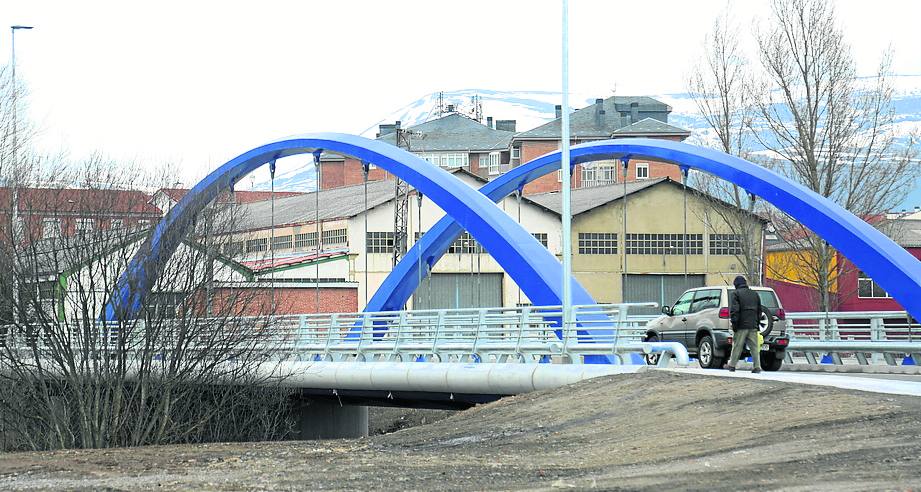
[13, 30]
[564, 172]
[15, 115]
[17, 229]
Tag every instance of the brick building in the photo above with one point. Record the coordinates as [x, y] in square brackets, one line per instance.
[614, 117]
[453, 141]
[48, 213]
[787, 271]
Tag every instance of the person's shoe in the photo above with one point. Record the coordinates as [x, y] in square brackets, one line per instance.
[729, 368]
[756, 371]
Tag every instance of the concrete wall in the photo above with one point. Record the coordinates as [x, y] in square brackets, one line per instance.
[655, 210]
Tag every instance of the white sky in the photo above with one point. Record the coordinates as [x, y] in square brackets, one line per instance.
[198, 82]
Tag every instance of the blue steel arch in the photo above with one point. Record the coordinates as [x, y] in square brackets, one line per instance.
[890, 265]
[519, 253]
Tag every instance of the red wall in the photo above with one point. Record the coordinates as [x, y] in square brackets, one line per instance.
[797, 298]
[848, 289]
[336, 174]
[258, 301]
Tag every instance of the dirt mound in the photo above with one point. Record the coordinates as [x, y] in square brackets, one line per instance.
[643, 431]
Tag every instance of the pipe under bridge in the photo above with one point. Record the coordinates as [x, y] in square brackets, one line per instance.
[450, 358]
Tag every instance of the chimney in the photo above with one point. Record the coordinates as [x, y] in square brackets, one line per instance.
[634, 112]
[599, 110]
[489, 121]
[558, 110]
[450, 108]
[505, 125]
[385, 129]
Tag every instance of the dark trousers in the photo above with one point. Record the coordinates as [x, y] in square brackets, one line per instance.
[739, 338]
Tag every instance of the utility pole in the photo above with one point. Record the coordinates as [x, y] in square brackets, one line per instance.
[401, 200]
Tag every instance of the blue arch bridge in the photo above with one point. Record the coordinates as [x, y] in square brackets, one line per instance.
[461, 357]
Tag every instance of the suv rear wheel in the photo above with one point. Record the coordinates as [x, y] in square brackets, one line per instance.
[706, 354]
[770, 361]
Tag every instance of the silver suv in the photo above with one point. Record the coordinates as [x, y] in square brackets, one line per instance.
[699, 319]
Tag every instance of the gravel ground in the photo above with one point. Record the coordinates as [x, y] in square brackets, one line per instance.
[646, 431]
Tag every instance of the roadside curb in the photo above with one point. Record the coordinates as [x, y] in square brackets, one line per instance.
[851, 369]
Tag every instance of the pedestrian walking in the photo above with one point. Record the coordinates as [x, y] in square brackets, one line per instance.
[745, 317]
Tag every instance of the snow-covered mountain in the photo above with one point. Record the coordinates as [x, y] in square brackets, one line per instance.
[534, 108]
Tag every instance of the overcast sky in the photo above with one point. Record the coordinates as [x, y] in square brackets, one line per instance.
[198, 82]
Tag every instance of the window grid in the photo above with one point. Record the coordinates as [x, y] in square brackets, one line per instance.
[84, 225]
[447, 159]
[867, 288]
[642, 171]
[491, 162]
[664, 244]
[334, 237]
[725, 244]
[282, 242]
[257, 245]
[598, 243]
[379, 242]
[305, 240]
[51, 228]
[233, 248]
[465, 244]
[541, 237]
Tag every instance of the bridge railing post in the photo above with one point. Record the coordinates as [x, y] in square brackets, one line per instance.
[401, 322]
[524, 326]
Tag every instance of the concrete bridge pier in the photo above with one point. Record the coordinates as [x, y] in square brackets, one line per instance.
[325, 419]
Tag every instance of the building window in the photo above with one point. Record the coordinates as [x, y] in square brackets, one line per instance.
[257, 245]
[465, 244]
[664, 244]
[166, 305]
[334, 237]
[868, 289]
[516, 153]
[725, 244]
[117, 224]
[597, 243]
[281, 242]
[84, 225]
[305, 241]
[234, 248]
[642, 170]
[490, 161]
[51, 228]
[541, 237]
[588, 175]
[47, 298]
[447, 159]
[379, 242]
[143, 224]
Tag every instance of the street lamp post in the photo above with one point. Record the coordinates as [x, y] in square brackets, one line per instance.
[13, 30]
[565, 178]
[15, 115]
[16, 227]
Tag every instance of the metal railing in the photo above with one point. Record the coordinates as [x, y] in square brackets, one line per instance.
[522, 334]
[864, 337]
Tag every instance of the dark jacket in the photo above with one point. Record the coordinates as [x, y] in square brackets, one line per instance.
[744, 309]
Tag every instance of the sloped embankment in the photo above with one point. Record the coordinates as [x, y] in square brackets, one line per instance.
[640, 431]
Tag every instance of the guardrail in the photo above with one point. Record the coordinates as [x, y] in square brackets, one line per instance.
[526, 334]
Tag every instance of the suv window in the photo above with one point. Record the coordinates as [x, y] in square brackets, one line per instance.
[768, 298]
[705, 299]
[683, 304]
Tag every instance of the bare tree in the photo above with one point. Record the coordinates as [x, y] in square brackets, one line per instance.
[829, 130]
[171, 374]
[720, 86]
